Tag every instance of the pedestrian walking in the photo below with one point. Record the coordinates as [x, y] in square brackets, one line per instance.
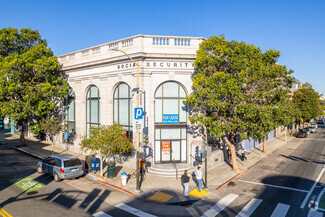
[198, 174]
[185, 180]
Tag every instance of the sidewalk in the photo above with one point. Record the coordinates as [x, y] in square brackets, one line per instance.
[218, 175]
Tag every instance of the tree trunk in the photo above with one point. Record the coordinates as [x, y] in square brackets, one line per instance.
[22, 136]
[264, 145]
[233, 154]
[285, 135]
[101, 165]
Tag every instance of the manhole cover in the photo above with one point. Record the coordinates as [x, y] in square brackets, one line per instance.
[32, 192]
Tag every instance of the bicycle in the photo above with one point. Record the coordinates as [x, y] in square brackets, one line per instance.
[142, 174]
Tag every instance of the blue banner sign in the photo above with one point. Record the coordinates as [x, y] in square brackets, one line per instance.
[170, 119]
[66, 134]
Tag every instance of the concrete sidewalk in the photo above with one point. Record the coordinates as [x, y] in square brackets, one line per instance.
[217, 175]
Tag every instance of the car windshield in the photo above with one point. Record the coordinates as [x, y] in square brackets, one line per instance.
[72, 162]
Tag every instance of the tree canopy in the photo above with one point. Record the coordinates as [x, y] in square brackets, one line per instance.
[237, 88]
[307, 100]
[31, 84]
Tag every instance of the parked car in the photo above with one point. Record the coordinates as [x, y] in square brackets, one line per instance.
[302, 134]
[312, 129]
[307, 129]
[61, 167]
[320, 121]
[314, 125]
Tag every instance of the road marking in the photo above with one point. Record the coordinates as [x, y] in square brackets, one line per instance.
[280, 210]
[312, 189]
[132, 210]
[275, 186]
[101, 214]
[249, 208]
[6, 214]
[221, 205]
[313, 213]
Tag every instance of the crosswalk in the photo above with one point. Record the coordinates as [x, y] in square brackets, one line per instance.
[280, 210]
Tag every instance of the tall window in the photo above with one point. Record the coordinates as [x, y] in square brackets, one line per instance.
[170, 123]
[123, 108]
[70, 133]
[93, 108]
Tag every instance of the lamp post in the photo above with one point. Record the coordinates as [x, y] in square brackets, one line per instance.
[137, 132]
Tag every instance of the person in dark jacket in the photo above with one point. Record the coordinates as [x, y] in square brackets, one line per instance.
[185, 180]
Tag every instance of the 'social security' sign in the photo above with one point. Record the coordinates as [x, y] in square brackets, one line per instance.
[170, 119]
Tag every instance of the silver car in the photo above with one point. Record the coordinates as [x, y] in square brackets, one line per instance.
[312, 129]
[61, 167]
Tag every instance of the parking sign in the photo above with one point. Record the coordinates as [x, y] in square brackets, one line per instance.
[138, 113]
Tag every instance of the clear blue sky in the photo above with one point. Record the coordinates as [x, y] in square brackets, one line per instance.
[294, 27]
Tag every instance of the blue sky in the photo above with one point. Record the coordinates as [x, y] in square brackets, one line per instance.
[294, 27]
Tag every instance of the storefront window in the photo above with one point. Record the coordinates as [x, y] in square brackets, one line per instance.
[170, 123]
[93, 108]
[123, 108]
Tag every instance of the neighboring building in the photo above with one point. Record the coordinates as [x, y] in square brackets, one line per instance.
[102, 80]
[295, 86]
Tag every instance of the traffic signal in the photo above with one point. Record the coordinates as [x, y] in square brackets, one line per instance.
[144, 139]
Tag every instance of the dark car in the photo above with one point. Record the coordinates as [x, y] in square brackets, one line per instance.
[320, 121]
[302, 134]
[61, 167]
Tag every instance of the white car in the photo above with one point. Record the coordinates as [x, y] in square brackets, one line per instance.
[314, 125]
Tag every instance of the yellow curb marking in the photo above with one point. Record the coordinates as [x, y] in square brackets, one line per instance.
[6, 214]
[160, 197]
[196, 193]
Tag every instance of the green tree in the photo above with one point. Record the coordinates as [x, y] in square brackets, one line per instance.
[106, 141]
[307, 100]
[236, 90]
[31, 84]
[52, 126]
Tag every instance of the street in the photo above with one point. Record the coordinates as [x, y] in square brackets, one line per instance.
[286, 183]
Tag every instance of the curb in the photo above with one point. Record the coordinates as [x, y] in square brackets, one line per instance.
[27, 152]
[113, 186]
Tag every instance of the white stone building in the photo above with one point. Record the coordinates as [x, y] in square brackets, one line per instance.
[102, 80]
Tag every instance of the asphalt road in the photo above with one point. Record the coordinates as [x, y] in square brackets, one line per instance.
[79, 197]
[282, 184]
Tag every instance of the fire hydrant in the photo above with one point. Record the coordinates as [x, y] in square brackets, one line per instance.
[124, 178]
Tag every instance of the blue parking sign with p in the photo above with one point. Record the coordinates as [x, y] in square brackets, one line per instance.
[138, 113]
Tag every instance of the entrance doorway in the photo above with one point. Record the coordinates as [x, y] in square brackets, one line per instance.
[170, 151]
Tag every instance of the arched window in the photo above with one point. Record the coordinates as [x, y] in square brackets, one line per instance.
[93, 108]
[69, 135]
[123, 108]
[170, 123]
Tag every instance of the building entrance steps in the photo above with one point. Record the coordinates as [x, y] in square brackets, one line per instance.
[169, 170]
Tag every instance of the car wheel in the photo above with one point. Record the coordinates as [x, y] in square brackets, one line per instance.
[39, 170]
[56, 177]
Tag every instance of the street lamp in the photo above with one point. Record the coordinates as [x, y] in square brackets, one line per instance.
[137, 132]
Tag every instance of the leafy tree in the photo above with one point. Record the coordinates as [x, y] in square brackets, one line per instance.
[307, 100]
[52, 127]
[106, 141]
[31, 85]
[236, 90]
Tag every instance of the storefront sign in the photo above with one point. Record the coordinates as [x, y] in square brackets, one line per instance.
[170, 119]
[165, 147]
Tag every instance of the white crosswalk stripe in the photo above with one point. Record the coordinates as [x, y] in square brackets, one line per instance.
[101, 214]
[133, 211]
[314, 213]
[249, 208]
[280, 210]
[221, 205]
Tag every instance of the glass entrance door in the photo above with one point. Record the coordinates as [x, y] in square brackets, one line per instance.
[170, 151]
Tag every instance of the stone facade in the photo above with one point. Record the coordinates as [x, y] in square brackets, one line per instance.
[161, 59]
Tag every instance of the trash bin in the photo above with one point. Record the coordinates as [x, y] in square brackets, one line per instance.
[110, 170]
[124, 177]
[95, 164]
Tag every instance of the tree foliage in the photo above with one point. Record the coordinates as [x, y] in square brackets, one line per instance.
[307, 100]
[237, 88]
[106, 141]
[31, 84]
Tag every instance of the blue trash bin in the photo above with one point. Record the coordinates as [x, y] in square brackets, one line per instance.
[95, 164]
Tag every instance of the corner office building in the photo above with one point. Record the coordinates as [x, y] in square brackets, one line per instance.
[102, 80]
